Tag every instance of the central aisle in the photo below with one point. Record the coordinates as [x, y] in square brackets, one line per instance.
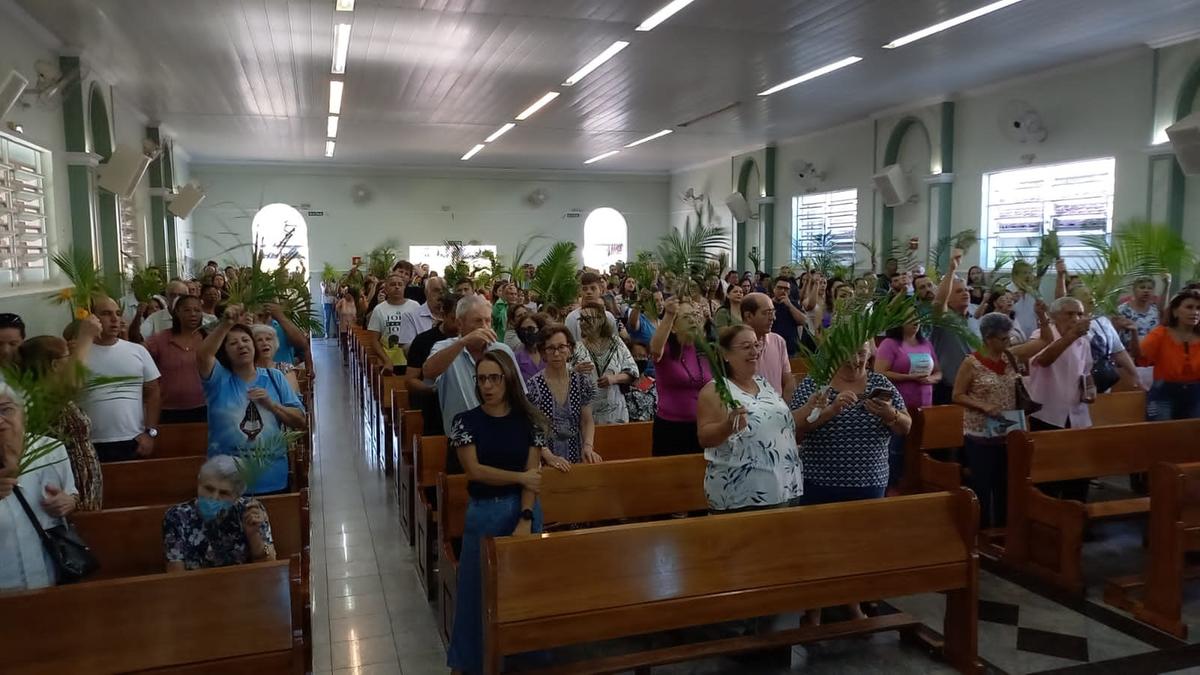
[369, 613]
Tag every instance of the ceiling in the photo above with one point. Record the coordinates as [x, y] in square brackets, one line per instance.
[247, 80]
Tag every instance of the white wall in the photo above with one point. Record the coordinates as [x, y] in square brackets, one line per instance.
[418, 207]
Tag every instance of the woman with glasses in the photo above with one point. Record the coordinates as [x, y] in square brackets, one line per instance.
[614, 365]
[681, 372]
[498, 446]
[753, 461]
[564, 396]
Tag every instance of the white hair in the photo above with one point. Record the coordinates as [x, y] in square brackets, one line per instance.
[8, 391]
[224, 468]
[469, 302]
[1060, 303]
[263, 329]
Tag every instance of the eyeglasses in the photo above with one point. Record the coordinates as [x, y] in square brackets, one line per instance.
[490, 378]
[557, 348]
[745, 347]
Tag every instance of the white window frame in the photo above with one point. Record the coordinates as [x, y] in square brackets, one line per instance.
[26, 213]
[437, 256]
[1047, 208]
[609, 250]
[823, 213]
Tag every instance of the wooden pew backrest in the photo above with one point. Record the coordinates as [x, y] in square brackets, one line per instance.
[1126, 407]
[938, 427]
[1107, 451]
[128, 542]
[624, 441]
[429, 460]
[150, 481]
[159, 621]
[181, 440]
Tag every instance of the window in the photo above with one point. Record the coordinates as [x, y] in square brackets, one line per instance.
[132, 232]
[439, 256]
[24, 246]
[1073, 199]
[825, 223]
[280, 229]
[604, 238]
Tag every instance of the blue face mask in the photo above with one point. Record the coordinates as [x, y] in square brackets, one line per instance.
[212, 508]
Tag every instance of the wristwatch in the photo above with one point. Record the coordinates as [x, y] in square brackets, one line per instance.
[151, 432]
[527, 514]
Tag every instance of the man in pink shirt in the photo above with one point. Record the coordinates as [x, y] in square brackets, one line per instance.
[758, 312]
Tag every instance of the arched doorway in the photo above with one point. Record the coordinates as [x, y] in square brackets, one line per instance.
[281, 231]
[605, 238]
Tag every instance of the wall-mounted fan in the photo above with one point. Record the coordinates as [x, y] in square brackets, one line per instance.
[361, 193]
[808, 175]
[536, 198]
[1021, 123]
[52, 83]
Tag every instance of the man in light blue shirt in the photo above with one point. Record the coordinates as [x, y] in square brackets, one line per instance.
[452, 361]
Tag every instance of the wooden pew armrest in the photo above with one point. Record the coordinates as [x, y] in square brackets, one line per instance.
[1117, 507]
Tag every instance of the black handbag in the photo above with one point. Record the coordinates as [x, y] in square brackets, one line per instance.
[1025, 402]
[73, 560]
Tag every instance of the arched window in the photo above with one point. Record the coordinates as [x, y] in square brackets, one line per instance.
[604, 238]
[280, 229]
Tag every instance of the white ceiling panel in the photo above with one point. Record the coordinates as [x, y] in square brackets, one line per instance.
[247, 80]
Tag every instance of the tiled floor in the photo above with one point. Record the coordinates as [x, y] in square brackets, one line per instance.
[370, 615]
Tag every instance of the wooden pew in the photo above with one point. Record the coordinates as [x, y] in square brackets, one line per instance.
[1126, 407]
[938, 427]
[1174, 531]
[144, 482]
[128, 542]
[612, 441]
[799, 368]
[410, 426]
[389, 387]
[242, 619]
[589, 493]
[585, 586]
[1044, 535]
[181, 440]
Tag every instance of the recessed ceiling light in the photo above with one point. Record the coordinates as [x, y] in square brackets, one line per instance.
[335, 97]
[329, 148]
[597, 158]
[499, 132]
[331, 128]
[472, 152]
[651, 137]
[663, 14]
[812, 75]
[344, 5]
[949, 23]
[537, 105]
[341, 47]
[595, 63]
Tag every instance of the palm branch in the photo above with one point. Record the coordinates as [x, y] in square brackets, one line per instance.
[688, 255]
[1138, 250]
[86, 279]
[755, 259]
[939, 253]
[253, 287]
[254, 460]
[380, 260]
[328, 273]
[1049, 250]
[644, 271]
[521, 255]
[148, 281]
[555, 281]
[872, 252]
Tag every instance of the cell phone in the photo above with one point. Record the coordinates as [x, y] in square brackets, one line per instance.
[880, 394]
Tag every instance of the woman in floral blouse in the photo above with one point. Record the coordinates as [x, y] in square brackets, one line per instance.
[564, 395]
[220, 526]
[614, 365]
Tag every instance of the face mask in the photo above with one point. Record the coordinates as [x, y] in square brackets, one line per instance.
[212, 508]
[527, 335]
[642, 364]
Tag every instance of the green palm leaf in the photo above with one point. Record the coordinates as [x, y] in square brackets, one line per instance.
[555, 281]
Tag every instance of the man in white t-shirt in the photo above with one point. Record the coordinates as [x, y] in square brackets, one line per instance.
[591, 288]
[124, 414]
[413, 324]
[386, 319]
[161, 320]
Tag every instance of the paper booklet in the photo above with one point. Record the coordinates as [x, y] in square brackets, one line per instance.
[1009, 420]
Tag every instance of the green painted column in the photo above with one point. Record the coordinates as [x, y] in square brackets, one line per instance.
[945, 191]
[157, 246]
[80, 162]
[766, 211]
[174, 264]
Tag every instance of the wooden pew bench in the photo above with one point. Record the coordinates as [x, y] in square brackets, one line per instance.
[1044, 535]
[1174, 532]
[588, 494]
[409, 428]
[181, 440]
[242, 619]
[146, 482]
[612, 441]
[586, 586]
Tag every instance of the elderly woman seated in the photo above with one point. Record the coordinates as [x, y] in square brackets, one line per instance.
[220, 526]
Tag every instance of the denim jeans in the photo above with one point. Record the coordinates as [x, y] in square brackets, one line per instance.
[1173, 401]
[331, 328]
[486, 517]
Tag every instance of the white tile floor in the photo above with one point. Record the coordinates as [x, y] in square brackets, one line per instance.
[369, 614]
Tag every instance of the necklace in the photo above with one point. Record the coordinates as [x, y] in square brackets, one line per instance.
[698, 378]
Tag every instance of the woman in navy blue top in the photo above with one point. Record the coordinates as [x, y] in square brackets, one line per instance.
[498, 445]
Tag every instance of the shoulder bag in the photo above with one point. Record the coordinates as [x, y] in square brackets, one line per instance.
[73, 560]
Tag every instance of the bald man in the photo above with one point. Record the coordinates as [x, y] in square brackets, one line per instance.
[161, 320]
[758, 312]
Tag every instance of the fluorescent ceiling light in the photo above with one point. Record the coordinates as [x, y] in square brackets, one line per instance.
[651, 137]
[329, 148]
[537, 105]
[472, 152]
[344, 5]
[811, 75]
[499, 132]
[597, 158]
[331, 129]
[341, 47]
[949, 23]
[335, 97]
[595, 63]
[663, 14]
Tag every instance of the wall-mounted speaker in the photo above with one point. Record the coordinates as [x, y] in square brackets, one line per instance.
[738, 207]
[1185, 140]
[185, 202]
[893, 185]
[10, 92]
[123, 171]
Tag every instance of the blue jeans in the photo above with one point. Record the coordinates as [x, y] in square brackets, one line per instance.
[331, 329]
[1173, 401]
[896, 459]
[829, 494]
[486, 517]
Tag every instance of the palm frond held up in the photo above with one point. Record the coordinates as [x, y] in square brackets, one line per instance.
[554, 281]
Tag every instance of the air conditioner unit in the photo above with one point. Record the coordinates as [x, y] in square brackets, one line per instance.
[123, 171]
[185, 202]
[1185, 140]
[10, 92]
[893, 185]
